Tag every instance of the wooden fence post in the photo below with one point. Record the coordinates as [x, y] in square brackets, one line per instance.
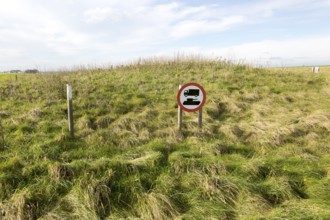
[315, 69]
[2, 130]
[70, 109]
[179, 115]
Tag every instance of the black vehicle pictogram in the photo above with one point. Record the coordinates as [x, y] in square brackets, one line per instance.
[191, 102]
[191, 92]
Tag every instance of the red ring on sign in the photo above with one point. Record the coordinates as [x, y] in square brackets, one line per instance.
[182, 88]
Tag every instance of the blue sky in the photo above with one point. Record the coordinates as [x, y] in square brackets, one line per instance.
[64, 34]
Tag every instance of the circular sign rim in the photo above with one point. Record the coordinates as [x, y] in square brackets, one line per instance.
[182, 88]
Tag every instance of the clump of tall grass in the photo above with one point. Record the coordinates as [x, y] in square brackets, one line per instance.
[11, 176]
[32, 202]
[98, 196]
[213, 188]
[155, 205]
[276, 190]
[59, 172]
[187, 162]
[72, 206]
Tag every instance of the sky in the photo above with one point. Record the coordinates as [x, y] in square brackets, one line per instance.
[64, 34]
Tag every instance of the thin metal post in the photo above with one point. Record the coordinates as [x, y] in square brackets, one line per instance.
[179, 115]
[2, 130]
[200, 118]
[70, 109]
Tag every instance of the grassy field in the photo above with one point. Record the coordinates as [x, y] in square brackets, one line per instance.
[263, 152]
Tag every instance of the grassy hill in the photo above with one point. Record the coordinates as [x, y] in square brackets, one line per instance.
[263, 152]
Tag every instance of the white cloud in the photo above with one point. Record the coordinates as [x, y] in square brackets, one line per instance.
[78, 31]
[303, 51]
[98, 15]
[195, 27]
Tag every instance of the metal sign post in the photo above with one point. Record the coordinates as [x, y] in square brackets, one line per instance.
[2, 131]
[191, 98]
[70, 109]
[200, 118]
[179, 115]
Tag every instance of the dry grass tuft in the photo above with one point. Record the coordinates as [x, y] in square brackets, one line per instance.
[98, 195]
[155, 205]
[250, 205]
[128, 123]
[72, 206]
[186, 162]
[103, 122]
[219, 189]
[59, 172]
[20, 207]
[36, 113]
[84, 123]
[150, 159]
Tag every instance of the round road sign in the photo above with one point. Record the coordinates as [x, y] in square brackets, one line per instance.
[191, 97]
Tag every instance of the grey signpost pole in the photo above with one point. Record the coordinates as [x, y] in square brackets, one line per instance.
[70, 109]
[2, 147]
[200, 118]
[179, 115]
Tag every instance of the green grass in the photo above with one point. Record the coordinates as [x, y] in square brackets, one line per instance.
[263, 152]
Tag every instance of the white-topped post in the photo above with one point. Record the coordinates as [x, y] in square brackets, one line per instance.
[70, 109]
[179, 115]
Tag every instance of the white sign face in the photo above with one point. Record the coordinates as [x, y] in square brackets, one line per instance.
[191, 97]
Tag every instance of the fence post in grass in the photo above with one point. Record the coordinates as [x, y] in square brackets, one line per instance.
[200, 118]
[179, 115]
[70, 109]
[315, 69]
[2, 147]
